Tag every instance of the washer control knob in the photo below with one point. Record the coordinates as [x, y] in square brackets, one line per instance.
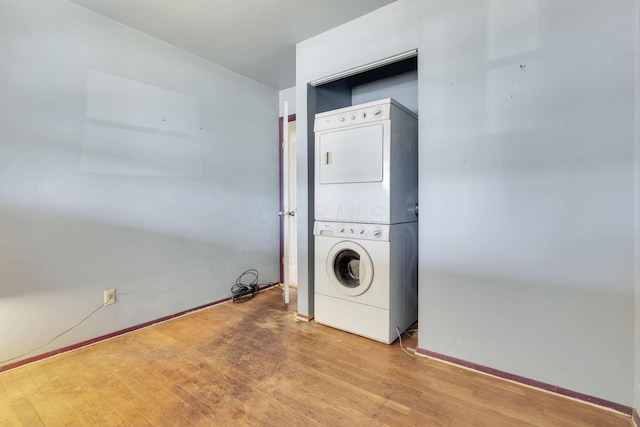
[377, 232]
[353, 117]
[362, 231]
[352, 231]
[377, 112]
[342, 119]
[341, 231]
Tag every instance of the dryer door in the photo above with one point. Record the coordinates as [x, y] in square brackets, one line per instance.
[352, 155]
[349, 268]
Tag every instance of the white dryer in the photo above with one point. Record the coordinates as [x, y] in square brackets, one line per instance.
[366, 277]
[366, 164]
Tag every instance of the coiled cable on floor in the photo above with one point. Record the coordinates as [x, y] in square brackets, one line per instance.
[246, 286]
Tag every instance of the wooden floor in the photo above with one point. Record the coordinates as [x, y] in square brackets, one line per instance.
[254, 364]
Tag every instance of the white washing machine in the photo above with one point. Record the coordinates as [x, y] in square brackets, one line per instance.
[366, 277]
[366, 164]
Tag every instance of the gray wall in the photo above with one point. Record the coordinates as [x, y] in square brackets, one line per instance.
[527, 251]
[124, 163]
[526, 180]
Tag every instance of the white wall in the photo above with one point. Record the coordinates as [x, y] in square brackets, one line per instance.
[526, 179]
[124, 163]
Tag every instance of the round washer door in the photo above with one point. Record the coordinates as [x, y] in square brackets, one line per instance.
[349, 268]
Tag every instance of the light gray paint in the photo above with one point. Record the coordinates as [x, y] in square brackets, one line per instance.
[166, 204]
[527, 257]
[526, 180]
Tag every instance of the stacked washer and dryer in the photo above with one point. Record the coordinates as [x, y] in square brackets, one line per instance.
[366, 229]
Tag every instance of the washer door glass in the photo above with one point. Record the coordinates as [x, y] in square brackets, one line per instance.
[349, 268]
[346, 267]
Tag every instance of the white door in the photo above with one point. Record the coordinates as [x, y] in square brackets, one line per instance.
[289, 226]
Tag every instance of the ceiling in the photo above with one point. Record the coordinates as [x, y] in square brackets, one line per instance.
[255, 38]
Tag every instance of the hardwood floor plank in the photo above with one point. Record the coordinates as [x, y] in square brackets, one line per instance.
[25, 412]
[8, 414]
[255, 364]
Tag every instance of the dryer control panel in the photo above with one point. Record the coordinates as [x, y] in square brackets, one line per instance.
[351, 116]
[351, 230]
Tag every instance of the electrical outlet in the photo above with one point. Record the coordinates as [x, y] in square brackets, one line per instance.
[109, 296]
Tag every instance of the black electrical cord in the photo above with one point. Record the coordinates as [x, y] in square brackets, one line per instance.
[247, 287]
